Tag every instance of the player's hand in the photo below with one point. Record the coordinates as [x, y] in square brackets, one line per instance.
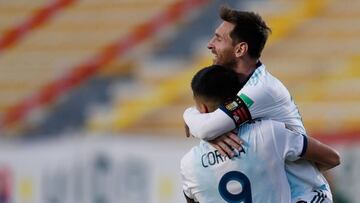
[226, 144]
[187, 131]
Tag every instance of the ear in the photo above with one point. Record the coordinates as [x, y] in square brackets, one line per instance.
[200, 105]
[204, 108]
[241, 49]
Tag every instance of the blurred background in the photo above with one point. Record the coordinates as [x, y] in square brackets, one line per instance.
[92, 92]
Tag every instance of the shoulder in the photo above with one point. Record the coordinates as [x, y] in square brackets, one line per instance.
[263, 84]
[277, 131]
[273, 84]
[267, 126]
[273, 126]
[188, 160]
[186, 165]
[257, 126]
[191, 165]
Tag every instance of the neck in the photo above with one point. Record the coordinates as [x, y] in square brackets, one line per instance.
[245, 67]
[211, 107]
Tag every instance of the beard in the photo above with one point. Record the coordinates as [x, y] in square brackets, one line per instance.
[225, 61]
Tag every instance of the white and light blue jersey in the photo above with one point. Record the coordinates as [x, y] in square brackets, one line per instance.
[266, 97]
[254, 175]
[263, 97]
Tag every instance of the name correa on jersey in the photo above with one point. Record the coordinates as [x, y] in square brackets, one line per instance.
[214, 157]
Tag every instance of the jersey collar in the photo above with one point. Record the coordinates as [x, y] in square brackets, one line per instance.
[258, 64]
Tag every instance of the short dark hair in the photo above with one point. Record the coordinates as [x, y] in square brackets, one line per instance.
[216, 83]
[249, 28]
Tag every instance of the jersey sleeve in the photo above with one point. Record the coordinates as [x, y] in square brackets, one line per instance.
[259, 100]
[289, 144]
[207, 126]
[255, 101]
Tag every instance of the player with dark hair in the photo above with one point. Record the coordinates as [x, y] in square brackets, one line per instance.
[256, 174]
[237, 45]
[211, 86]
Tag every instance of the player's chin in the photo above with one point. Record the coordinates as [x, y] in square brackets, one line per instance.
[216, 61]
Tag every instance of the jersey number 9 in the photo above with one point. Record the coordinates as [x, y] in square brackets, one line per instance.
[244, 196]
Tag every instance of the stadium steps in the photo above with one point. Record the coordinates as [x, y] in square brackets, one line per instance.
[320, 68]
[167, 118]
[73, 35]
[146, 98]
[14, 12]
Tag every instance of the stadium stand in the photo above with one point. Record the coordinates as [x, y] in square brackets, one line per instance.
[318, 67]
[159, 122]
[14, 12]
[68, 50]
[152, 92]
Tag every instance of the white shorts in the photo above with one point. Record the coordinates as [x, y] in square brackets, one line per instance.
[316, 196]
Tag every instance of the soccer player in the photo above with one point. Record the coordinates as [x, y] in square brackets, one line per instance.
[237, 44]
[255, 174]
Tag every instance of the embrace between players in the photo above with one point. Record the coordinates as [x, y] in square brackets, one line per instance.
[254, 147]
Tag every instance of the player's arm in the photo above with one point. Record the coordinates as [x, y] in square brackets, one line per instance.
[188, 200]
[207, 126]
[293, 146]
[323, 155]
[252, 102]
[215, 127]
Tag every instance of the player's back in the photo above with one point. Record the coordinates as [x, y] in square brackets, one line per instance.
[255, 175]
